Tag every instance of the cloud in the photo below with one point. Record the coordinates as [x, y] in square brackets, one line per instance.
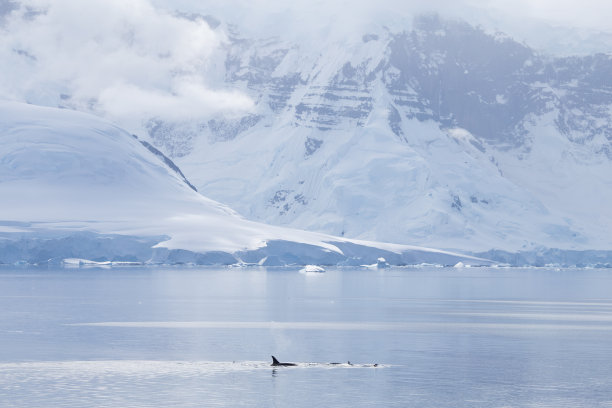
[189, 99]
[138, 58]
[115, 57]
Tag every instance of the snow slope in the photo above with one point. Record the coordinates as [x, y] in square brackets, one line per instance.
[75, 186]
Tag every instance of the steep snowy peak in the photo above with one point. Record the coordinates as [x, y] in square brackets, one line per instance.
[420, 136]
[491, 87]
[445, 71]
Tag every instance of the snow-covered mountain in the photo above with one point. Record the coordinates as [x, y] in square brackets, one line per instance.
[434, 133]
[442, 135]
[75, 186]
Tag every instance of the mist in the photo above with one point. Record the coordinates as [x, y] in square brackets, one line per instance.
[122, 58]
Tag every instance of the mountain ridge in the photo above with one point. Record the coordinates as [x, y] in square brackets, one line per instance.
[475, 117]
[438, 133]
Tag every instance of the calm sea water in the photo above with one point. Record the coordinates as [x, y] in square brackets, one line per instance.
[159, 337]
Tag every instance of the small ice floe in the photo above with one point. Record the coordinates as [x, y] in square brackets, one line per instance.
[126, 263]
[382, 263]
[76, 262]
[312, 269]
[461, 265]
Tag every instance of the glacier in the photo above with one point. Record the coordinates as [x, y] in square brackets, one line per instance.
[77, 187]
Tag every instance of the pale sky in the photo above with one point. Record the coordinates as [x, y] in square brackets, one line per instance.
[594, 14]
[591, 14]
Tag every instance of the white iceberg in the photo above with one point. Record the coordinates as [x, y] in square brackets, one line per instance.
[312, 269]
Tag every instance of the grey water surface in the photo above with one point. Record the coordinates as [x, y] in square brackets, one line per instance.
[197, 337]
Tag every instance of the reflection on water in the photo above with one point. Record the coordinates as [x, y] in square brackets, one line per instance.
[203, 337]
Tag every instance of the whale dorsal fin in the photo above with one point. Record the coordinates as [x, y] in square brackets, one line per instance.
[275, 361]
